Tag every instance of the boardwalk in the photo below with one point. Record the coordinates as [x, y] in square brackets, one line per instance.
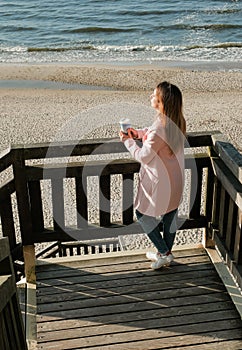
[119, 303]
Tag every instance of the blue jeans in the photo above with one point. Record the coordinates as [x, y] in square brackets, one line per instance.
[150, 226]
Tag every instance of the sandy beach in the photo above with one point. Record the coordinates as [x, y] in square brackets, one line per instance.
[38, 113]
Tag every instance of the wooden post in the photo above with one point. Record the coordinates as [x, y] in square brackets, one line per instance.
[29, 263]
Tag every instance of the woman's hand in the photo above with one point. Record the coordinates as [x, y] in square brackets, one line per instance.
[132, 133]
[123, 136]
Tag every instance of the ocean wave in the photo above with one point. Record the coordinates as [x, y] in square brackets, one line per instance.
[96, 30]
[121, 48]
[217, 27]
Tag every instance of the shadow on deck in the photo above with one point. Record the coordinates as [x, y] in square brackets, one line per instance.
[115, 301]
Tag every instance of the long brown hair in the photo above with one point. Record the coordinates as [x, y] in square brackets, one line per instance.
[171, 98]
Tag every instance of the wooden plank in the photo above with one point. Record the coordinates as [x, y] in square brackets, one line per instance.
[22, 196]
[237, 251]
[128, 199]
[81, 201]
[4, 333]
[7, 289]
[123, 292]
[137, 306]
[111, 267]
[209, 193]
[29, 263]
[161, 337]
[136, 325]
[108, 145]
[221, 212]
[121, 318]
[231, 225]
[228, 154]
[110, 300]
[7, 221]
[195, 192]
[104, 200]
[36, 206]
[4, 248]
[231, 184]
[123, 274]
[58, 204]
[49, 289]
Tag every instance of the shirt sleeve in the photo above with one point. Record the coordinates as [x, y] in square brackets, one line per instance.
[148, 151]
[141, 133]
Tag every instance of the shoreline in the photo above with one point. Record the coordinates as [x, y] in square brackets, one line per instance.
[128, 78]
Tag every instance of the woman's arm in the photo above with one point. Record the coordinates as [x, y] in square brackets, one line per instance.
[148, 151]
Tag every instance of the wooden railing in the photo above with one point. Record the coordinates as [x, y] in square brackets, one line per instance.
[214, 180]
[11, 326]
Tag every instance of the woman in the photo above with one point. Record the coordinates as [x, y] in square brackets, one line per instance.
[161, 175]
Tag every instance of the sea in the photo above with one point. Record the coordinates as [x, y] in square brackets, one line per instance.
[121, 31]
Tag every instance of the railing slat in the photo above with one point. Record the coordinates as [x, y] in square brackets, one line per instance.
[128, 199]
[36, 206]
[238, 241]
[22, 196]
[81, 201]
[231, 224]
[6, 213]
[104, 200]
[196, 192]
[58, 203]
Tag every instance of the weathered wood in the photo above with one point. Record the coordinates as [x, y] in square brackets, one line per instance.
[221, 212]
[84, 147]
[36, 206]
[104, 200]
[128, 199]
[231, 225]
[228, 154]
[22, 195]
[6, 213]
[11, 326]
[228, 180]
[29, 263]
[58, 204]
[81, 201]
[237, 249]
[123, 304]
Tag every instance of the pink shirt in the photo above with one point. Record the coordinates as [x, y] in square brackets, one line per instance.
[161, 175]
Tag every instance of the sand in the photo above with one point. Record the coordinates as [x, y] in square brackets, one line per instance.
[212, 100]
[45, 112]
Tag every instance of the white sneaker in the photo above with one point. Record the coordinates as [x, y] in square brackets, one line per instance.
[152, 256]
[162, 260]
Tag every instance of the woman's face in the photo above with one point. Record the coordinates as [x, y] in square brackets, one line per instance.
[155, 101]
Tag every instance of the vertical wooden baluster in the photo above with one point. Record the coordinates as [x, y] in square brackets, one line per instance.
[104, 200]
[81, 201]
[58, 204]
[196, 192]
[128, 199]
[210, 178]
[22, 195]
[231, 224]
[221, 212]
[238, 239]
[36, 206]
[216, 203]
[6, 213]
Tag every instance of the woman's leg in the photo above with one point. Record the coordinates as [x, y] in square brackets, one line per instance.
[170, 228]
[151, 226]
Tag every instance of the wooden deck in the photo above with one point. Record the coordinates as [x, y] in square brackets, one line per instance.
[118, 302]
